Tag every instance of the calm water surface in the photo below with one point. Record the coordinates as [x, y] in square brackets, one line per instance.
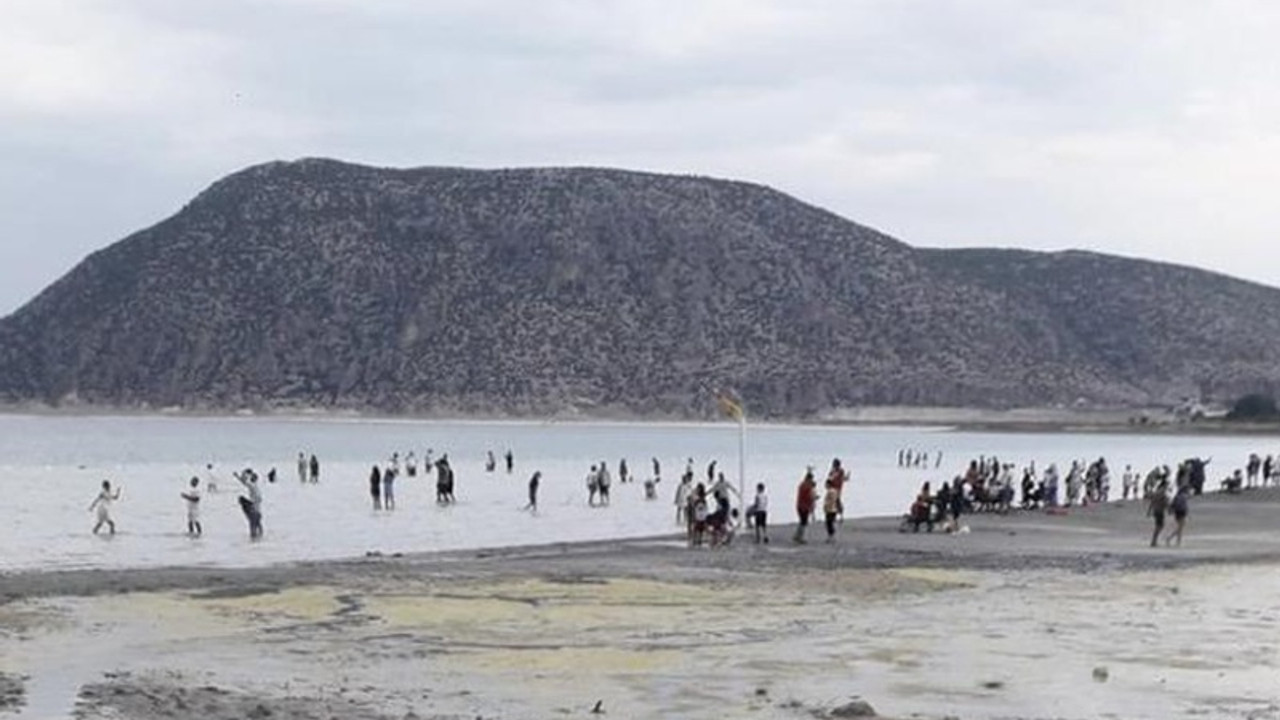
[51, 467]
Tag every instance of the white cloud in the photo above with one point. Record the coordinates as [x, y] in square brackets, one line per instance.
[1138, 126]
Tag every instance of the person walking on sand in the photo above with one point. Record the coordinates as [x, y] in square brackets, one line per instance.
[375, 487]
[533, 493]
[830, 509]
[836, 478]
[251, 506]
[806, 498]
[192, 496]
[102, 503]
[1157, 505]
[1180, 509]
[760, 515]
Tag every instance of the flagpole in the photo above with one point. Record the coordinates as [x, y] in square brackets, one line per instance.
[742, 458]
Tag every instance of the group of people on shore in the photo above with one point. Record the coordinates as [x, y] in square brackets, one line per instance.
[707, 512]
[988, 485]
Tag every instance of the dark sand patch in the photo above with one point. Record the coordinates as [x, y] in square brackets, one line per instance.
[125, 695]
[13, 692]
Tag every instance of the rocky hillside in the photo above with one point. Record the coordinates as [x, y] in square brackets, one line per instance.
[322, 284]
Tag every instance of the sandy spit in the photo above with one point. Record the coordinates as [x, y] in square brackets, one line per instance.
[1026, 616]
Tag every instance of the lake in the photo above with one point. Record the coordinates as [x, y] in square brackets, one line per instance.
[51, 467]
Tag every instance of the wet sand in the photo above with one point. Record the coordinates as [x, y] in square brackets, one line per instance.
[1026, 616]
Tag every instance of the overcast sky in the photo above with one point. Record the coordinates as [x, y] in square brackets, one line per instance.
[1147, 128]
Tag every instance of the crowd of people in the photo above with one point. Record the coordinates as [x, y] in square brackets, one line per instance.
[712, 511]
[988, 485]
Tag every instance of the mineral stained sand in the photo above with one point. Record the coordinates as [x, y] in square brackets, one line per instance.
[652, 631]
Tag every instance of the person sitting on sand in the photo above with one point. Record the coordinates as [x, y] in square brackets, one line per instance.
[921, 512]
[1233, 483]
[102, 503]
[722, 527]
[192, 496]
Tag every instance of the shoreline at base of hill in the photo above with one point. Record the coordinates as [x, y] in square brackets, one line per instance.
[1136, 421]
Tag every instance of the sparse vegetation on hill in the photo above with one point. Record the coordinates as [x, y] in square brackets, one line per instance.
[322, 284]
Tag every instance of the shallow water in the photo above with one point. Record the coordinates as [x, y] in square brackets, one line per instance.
[51, 466]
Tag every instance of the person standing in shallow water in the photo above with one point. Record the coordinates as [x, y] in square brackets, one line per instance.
[389, 489]
[375, 487]
[251, 506]
[192, 496]
[102, 504]
[315, 469]
[533, 493]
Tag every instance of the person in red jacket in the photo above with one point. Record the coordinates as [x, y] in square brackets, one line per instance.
[806, 498]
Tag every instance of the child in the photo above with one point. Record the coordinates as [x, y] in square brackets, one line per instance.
[759, 515]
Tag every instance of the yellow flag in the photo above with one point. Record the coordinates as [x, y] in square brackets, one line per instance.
[729, 406]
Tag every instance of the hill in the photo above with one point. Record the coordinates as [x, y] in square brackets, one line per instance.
[323, 284]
